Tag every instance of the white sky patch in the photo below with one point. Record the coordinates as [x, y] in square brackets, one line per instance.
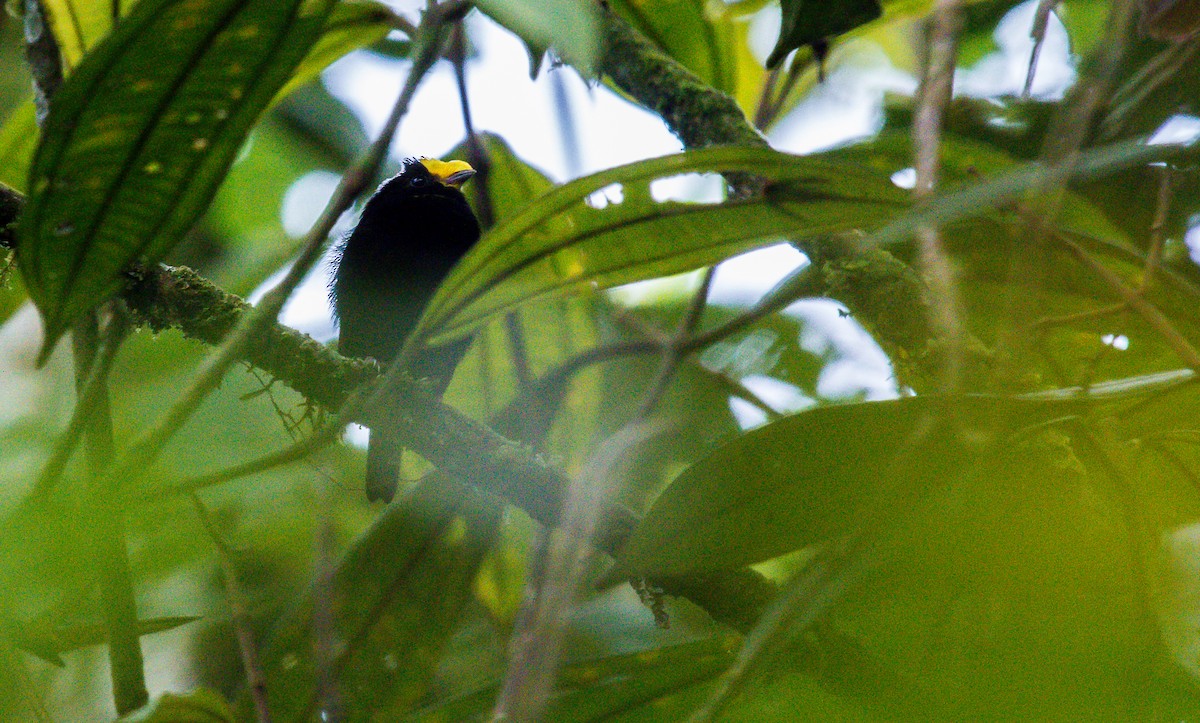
[504, 100]
[306, 199]
[1192, 240]
[611, 194]
[848, 105]
[778, 395]
[693, 187]
[905, 178]
[1003, 72]
[308, 309]
[1179, 129]
[862, 367]
[1120, 342]
[742, 280]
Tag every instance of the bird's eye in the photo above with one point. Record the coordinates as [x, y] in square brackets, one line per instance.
[417, 181]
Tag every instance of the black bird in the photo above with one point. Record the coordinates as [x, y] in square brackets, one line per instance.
[412, 232]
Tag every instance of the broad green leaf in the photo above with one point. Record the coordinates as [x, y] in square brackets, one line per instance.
[807, 478]
[806, 22]
[395, 598]
[639, 685]
[199, 706]
[353, 24]
[140, 136]
[560, 243]
[571, 27]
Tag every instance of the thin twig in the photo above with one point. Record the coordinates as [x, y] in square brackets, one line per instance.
[256, 681]
[937, 87]
[1158, 227]
[1041, 22]
[672, 352]
[1090, 314]
[42, 54]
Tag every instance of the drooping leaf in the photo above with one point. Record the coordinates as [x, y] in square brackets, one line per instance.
[806, 22]
[142, 133]
[395, 598]
[571, 27]
[640, 686]
[199, 706]
[49, 640]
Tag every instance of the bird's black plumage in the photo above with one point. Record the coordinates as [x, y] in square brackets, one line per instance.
[411, 233]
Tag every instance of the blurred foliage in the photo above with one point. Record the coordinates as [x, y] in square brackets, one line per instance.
[1023, 549]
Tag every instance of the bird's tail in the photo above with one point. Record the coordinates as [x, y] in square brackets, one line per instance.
[383, 472]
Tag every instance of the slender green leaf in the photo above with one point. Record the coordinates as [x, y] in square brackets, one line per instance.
[141, 135]
[78, 25]
[597, 690]
[49, 640]
[353, 24]
[806, 478]
[561, 243]
[395, 597]
[18, 139]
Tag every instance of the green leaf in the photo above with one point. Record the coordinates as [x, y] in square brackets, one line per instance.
[80, 24]
[48, 640]
[396, 597]
[571, 27]
[353, 24]
[18, 139]
[806, 22]
[560, 243]
[511, 183]
[638, 685]
[704, 41]
[141, 135]
[199, 706]
[805, 479]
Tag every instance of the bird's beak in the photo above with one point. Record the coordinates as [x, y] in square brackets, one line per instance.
[450, 173]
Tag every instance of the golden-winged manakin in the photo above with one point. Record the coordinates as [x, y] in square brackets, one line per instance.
[411, 233]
